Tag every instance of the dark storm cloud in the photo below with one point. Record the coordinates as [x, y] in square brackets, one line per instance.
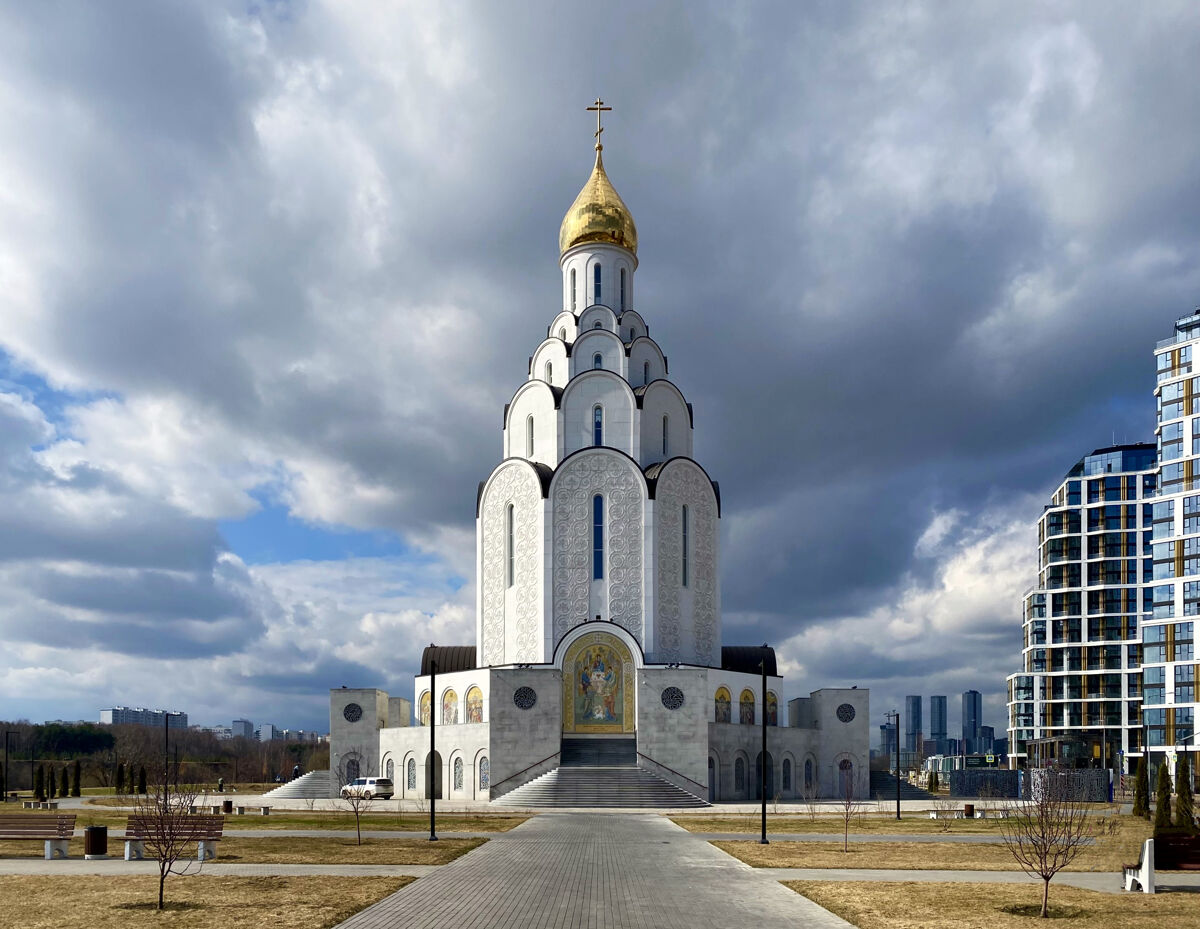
[905, 263]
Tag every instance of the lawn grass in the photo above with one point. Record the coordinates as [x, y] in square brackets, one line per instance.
[888, 905]
[388, 820]
[1108, 853]
[193, 902]
[287, 850]
[913, 823]
[293, 850]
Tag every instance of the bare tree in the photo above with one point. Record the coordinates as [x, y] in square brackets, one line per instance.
[848, 803]
[1049, 831]
[347, 771]
[165, 818]
[809, 797]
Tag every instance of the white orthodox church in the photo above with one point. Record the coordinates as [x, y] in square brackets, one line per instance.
[598, 622]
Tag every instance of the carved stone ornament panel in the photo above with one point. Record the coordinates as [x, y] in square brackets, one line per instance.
[845, 713]
[581, 478]
[513, 483]
[352, 712]
[672, 698]
[524, 698]
[686, 484]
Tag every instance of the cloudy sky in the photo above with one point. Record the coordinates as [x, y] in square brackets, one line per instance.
[269, 272]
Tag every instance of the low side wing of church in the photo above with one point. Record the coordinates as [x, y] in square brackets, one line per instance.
[598, 648]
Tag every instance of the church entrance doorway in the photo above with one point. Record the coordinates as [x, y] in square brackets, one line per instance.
[598, 687]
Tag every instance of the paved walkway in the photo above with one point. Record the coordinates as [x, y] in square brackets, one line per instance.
[837, 837]
[596, 871]
[1106, 881]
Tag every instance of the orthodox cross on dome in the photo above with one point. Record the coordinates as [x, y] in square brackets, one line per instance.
[599, 108]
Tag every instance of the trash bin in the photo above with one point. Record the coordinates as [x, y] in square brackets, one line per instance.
[95, 842]
[226, 806]
[968, 811]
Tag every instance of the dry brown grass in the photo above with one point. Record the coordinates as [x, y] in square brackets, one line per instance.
[865, 824]
[200, 902]
[888, 905]
[1108, 854]
[295, 850]
[285, 850]
[95, 813]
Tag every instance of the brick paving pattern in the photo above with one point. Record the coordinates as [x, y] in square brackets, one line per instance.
[593, 871]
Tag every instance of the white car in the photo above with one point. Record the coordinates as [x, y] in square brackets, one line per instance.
[369, 788]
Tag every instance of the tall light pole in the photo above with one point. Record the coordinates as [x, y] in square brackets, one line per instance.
[896, 715]
[762, 787]
[435, 768]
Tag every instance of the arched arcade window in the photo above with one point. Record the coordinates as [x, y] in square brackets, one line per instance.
[458, 774]
[597, 425]
[808, 773]
[597, 537]
[684, 545]
[746, 715]
[509, 574]
[390, 771]
[787, 774]
[722, 704]
[411, 777]
[485, 773]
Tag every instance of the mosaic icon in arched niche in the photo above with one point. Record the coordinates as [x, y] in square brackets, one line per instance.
[425, 702]
[474, 705]
[450, 708]
[724, 706]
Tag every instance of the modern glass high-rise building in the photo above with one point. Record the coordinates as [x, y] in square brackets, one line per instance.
[972, 718]
[937, 721]
[1169, 668]
[1077, 699]
[913, 731]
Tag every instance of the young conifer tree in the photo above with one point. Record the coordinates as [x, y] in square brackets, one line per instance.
[39, 784]
[1162, 799]
[64, 786]
[76, 784]
[1141, 790]
[51, 784]
[120, 787]
[142, 779]
[1185, 813]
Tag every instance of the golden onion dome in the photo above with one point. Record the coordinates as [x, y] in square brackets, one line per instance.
[598, 215]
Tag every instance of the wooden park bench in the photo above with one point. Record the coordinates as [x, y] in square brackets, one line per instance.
[55, 831]
[204, 830]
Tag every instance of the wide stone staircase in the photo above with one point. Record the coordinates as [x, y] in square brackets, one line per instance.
[883, 786]
[599, 773]
[311, 786]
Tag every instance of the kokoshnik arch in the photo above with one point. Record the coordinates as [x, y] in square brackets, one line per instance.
[599, 605]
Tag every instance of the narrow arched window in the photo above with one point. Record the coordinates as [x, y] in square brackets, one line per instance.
[562, 334]
[622, 290]
[598, 425]
[529, 436]
[597, 324]
[598, 537]
[573, 301]
[645, 372]
[597, 361]
[549, 373]
[509, 573]
[684, 544]
[596, 282]
[666, 424]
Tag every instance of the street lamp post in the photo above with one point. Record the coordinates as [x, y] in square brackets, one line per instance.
[434, 769]
[896, 715]
[763, 768]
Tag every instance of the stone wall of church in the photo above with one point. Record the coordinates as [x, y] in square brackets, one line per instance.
[672, 713]
[510, 616]
[356, 715]
[525, 725]
[618, 597]
[687, 623]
